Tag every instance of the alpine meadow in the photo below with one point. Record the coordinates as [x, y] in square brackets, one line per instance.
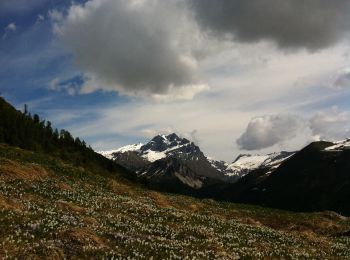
[174, 129]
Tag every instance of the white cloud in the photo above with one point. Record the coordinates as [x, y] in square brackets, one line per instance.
[68, 86]
[55, 15]
[266, 131]
[134, 47]
[284, 129]
[149, 133]
[54, 84]
[332, 124]
[181, 93]
[11, 27]
[39, 18]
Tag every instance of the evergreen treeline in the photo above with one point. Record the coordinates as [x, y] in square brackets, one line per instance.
[31, 133]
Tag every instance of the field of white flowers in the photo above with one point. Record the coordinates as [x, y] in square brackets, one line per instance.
[52, 209]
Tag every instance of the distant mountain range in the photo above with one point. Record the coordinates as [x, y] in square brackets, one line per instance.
[169, 159]
[314, 178]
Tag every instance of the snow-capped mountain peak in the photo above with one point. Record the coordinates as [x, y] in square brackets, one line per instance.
[163, 143]
[159, 147]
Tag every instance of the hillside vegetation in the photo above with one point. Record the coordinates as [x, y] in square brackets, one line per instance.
[51, 208]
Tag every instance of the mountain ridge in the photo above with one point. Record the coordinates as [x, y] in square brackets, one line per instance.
[139, 156]
[174, 157]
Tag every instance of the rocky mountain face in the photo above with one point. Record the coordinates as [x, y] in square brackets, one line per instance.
[167, 158]
[169, 162]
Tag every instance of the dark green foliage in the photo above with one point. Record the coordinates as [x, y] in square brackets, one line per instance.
[32, 133]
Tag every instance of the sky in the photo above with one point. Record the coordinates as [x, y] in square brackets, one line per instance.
[233, 76]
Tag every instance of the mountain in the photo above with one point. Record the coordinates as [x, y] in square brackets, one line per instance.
[169, 162]
[313, 179]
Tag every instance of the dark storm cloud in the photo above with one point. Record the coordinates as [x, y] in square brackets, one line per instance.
[134, 46]
[310, 24]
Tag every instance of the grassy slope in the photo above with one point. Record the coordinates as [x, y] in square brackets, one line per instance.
[50, 208]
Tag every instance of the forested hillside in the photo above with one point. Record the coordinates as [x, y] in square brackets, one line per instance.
[30, 132]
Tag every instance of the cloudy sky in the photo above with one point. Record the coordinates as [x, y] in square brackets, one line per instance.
[234, 76]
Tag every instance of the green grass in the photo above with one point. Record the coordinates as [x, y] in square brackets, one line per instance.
[75, 213]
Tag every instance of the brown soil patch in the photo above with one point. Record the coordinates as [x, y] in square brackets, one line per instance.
[332, 215]
[88, 187]
[51, 252]
[7, 204]
[160, 200]
[33, 197]
[64, 186]
[82, 237]
[10, 170]
[195, 207]
[120, 188]
[68, 206]
[315, 238]
[252, 222]
[54, 253]
[90, 221]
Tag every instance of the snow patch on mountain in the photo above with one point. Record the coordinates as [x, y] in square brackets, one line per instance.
[153, 156]
[130, 148]
[218, 165]
[339, 146]
[127, 148]
[246, 163]
[162, 146]
[159, 147]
